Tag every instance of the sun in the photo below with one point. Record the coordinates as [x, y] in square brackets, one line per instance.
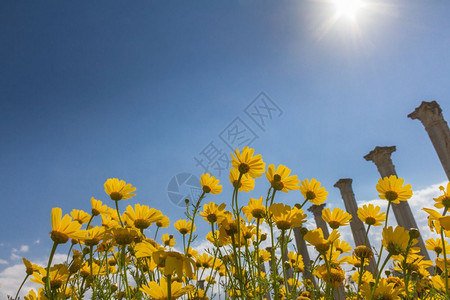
[348, 8]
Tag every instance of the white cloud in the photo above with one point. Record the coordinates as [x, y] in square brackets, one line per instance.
[3, 262]
[14, 256]
[12, 277]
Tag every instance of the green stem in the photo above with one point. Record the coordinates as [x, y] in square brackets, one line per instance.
[445, 261]
[379, 275]
[169, 287]
[23, 282]
[197, 205]
[118, 213]
[47, 281]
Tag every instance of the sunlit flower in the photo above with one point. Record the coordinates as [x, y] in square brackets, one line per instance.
[285, 217]
[98, 208]
[246, 163]
[119, 189]
[315, 237]
[124, 236]
[80, 216]
[205, 261]
[264, 255]
[254, 209]
[93, 236]
[342, 246]
[58, 275]
[65, 228]
[109, 222]
[443, 201]
[280, 179]
[210, 184]
[213, 213]
[174, 263]
[385, 290]
[184, 227]
[162, 221]
[296, 261]
[335, 276]
[168, 240]
[439, 284]
[395, 240]
[246, 184]
[367, 277]
[436, 246]
[337, 218]
[433, 219]
[159, 291]
[142, 216]
[313, 192]
[392, 189]
[30, 268]
[370, 214]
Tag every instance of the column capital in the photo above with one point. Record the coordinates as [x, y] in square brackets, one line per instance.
[317, 209]
[380, 154]
[428, 113]
[344, 184]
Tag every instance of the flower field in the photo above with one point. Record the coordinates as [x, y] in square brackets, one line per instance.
[129, 256]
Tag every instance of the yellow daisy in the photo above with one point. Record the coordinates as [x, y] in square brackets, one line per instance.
[168, 240]
[436, 246]
[336, 218]
[280, 179]
[246, 163]
[286, 218]
[246, 184]
[385, 290]
[315, 237]
[184, 227]
[142, 216]
[392, 189]
[64, 228]
[443, 201]
[395, 240]
[162, 221]
[159, 291]
[254, 209]
[210, 184]
[80, 216]
[119, 189]
[370, 214]
[313, 192]
[213, 213]
[98, 208]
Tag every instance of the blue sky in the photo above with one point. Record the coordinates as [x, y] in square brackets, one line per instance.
[102, 89]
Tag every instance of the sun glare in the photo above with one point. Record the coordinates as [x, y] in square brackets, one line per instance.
[348, 8]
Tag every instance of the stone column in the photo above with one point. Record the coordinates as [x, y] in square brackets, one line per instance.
[381, 157]
[357, 226]
[301, 244]
[430, 114]
[317, 211]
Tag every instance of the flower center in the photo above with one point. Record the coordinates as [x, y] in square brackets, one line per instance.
[243, 168]
[206, 189]
[446, 202]
[277, 185]
[370, 220]
[116, 196]
[59, 237]
[391, 196]
[334, 224]
[394, 248]
[141, 223]
[212, 218]
[310, 195]
[258, 213]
